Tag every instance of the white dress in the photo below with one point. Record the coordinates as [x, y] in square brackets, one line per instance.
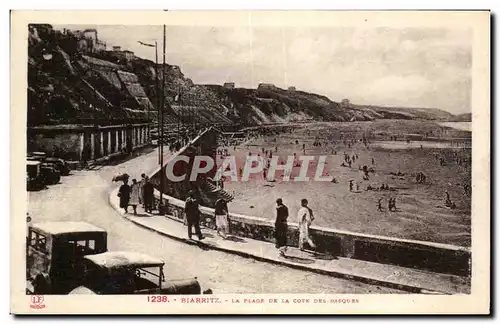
[135, 192]
[305, 220]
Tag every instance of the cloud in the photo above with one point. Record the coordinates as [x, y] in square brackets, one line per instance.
[418, 67]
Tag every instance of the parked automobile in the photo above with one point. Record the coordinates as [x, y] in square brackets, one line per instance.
[50, 174]
[49, 171]
[54, 254]
[72, 258]
[130, 273]
[34, 179]
[41, 155]
[60, 165]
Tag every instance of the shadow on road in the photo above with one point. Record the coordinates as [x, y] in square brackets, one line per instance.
[320, 256]
[140, 214]
[298, 259]
[235, 239]
[325, 257]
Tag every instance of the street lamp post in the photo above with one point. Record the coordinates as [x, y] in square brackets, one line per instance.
[160, 104]
[158, 100]
[162, 171]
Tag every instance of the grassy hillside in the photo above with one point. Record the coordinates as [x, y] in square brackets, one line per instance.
[462, 118]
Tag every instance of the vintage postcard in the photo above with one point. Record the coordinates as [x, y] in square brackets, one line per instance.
[250, 162]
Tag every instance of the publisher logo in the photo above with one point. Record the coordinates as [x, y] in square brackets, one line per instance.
[37, 302]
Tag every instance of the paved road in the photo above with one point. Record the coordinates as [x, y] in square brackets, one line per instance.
[84, 196]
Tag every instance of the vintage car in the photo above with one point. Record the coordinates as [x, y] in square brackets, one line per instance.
[49, 172]
[130, 273]
[34, 179]
[55, 251]
[59, 164]
[72, 258]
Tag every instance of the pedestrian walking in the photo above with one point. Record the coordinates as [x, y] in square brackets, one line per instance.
[392, 204]
[148, 191]
[357, 186]
[379, 207]
[192, 212]
[141, 191]
[350, 185]
[135, 194]
[305, 218]
[281, 226]
[124, 194]
[221, 217]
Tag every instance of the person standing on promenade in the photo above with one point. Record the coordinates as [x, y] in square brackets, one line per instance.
[135, 195]
[281, 226]
[124, 194]
[148, 191]
[221, 214]
[305, 218]
[192, 212]
[141, 190]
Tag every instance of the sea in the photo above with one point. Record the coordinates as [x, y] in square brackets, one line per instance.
[466, 126]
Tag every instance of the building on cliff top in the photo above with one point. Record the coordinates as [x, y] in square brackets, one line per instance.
[345, 103]
[88, 41]
[266, 86]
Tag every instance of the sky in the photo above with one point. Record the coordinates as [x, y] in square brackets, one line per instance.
[417, 67]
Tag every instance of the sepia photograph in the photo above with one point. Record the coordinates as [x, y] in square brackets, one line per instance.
[251, 166]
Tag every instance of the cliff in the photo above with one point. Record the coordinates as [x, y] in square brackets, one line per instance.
[65, 88]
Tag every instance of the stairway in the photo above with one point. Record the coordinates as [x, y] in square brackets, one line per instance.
[211, 189]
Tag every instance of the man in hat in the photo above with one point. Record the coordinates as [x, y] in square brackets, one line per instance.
[148, 192]
[281, 226]
[192, 212]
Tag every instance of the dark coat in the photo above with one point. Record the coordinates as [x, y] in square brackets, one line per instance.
[192, 209]
[124, 194]
[148, 191]
[281, 226]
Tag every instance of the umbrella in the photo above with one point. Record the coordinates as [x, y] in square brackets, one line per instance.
[121, 177]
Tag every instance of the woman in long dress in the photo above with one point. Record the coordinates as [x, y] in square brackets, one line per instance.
[124, 194]
[135, 194]
[305, 219]
[221, 220]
